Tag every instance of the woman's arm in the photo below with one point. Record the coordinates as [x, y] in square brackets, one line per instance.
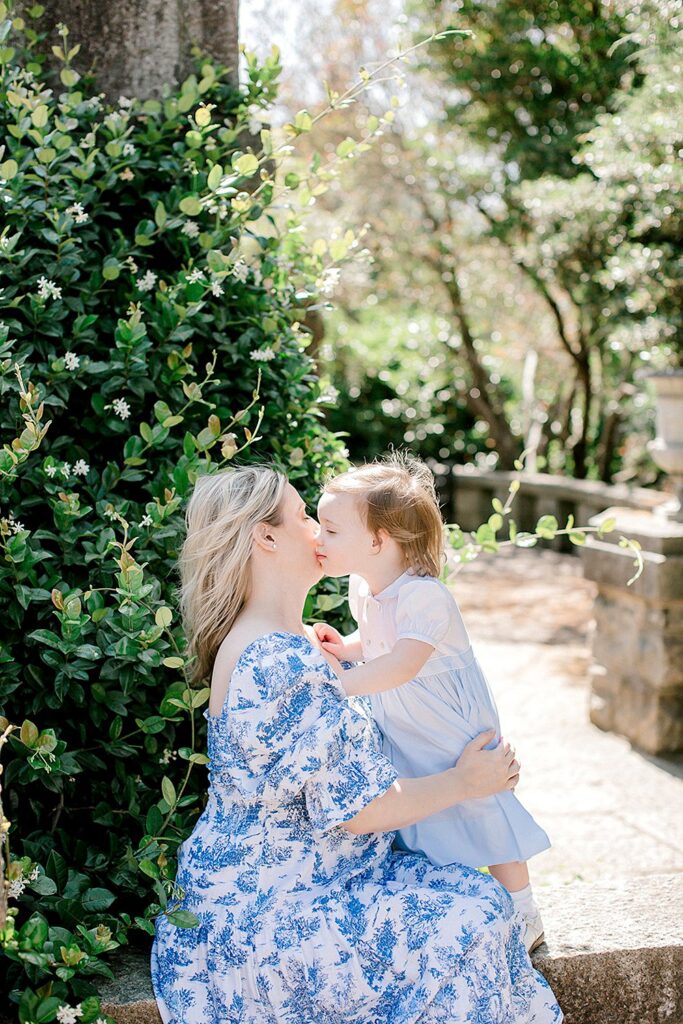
[478, 773]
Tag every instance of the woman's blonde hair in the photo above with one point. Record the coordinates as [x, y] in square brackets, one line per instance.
[397, 494]
[214, 560]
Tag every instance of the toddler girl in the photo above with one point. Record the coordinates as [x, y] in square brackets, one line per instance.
[381, 525]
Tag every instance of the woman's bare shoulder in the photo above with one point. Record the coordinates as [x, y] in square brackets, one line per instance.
[232, 647]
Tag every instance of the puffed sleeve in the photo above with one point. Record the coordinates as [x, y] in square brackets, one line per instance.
[424, 611]
[294, 731]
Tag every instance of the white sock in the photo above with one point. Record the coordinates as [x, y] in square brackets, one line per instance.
[524, 902]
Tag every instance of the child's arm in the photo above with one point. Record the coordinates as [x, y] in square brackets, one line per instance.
[344, 648]
[399, 666]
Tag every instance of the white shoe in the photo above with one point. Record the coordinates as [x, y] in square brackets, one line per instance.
[532, 930]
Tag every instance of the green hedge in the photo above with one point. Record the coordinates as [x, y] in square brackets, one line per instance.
[153, 296]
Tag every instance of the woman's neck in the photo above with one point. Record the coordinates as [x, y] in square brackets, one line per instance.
[276, 607]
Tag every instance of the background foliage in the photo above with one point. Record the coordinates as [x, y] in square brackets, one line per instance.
[525, 229]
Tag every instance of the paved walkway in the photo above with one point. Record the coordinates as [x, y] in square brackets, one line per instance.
[612, 813]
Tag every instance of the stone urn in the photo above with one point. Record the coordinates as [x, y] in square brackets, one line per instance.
[667, 447]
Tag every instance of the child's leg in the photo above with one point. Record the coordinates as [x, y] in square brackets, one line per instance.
[513, 876]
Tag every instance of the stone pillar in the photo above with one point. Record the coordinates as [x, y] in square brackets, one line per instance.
[637, 672]
[135, 47]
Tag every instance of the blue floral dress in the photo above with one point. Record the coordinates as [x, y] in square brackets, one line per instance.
[303, 922]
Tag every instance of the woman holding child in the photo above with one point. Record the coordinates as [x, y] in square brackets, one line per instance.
[308, 916]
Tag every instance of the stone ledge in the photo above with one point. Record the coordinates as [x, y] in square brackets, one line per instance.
[614, 955]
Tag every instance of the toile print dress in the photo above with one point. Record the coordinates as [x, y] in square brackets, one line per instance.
[303, 922]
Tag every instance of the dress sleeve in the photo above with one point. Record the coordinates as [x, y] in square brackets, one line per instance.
[297, 733]
[423, 612]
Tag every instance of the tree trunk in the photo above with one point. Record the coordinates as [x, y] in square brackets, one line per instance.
[135, 47]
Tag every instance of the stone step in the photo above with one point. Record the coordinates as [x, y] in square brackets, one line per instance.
[614, 955]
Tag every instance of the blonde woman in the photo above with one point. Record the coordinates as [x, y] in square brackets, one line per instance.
[307, 916]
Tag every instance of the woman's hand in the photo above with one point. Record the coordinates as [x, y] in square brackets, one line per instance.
[331, 641]
[485, 772]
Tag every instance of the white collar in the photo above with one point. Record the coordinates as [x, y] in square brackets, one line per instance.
[393, 588]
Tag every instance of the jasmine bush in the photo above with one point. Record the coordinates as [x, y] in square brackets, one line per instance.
[154, 287]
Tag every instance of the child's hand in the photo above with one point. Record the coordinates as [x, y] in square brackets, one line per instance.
[330, 639]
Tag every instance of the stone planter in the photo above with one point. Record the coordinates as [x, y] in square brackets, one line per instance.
[667, 448]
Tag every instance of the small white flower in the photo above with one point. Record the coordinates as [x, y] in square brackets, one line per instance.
[88, 140]
[77, 212]
[195, 275]
[34, 874]
[147, 281]
[110, 513]
[258, 276]
[146, 520]
[71, 361]
[121, 408]
[123, 101]
[16, 887]
[329, 280]
[94, 103]
[100, 1020]
[262, 355]
[240, 271]
[216, 288]
[50, 470]
[69, 1014]
[16, 525]
[255, 125]
[48, 289]
[81, 468]
[66, 469]
[126, 175]
[129, 149]
[131, 264]
[190, 166]
[190, 228]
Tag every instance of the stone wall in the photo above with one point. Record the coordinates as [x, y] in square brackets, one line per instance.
[137, 46]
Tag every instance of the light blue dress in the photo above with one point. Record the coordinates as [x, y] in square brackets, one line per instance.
[303, 922]
[427, 722]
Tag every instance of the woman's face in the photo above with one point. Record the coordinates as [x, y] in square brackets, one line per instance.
[296, 538]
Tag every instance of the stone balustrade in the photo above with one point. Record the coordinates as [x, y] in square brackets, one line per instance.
[466, 495]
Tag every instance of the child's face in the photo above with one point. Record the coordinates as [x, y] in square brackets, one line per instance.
[345, 544]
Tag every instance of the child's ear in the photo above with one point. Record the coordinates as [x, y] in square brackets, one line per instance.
[379, 539]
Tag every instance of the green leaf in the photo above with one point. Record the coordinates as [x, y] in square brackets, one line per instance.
[69, 77]
[111, 268]
[160, 215]
[498, 506]
[173, 662]
[40, 115]
[183, 919]
[163, 617]
[215, 176]
[191, 206]
[525, 540]
[346, 147]
[607, 526]
[547, 527]
[246, 164]
[577, 537]
[96, 900]
[168, 791]
[9, 169]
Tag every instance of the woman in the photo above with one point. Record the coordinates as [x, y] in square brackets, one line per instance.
[307, 915]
